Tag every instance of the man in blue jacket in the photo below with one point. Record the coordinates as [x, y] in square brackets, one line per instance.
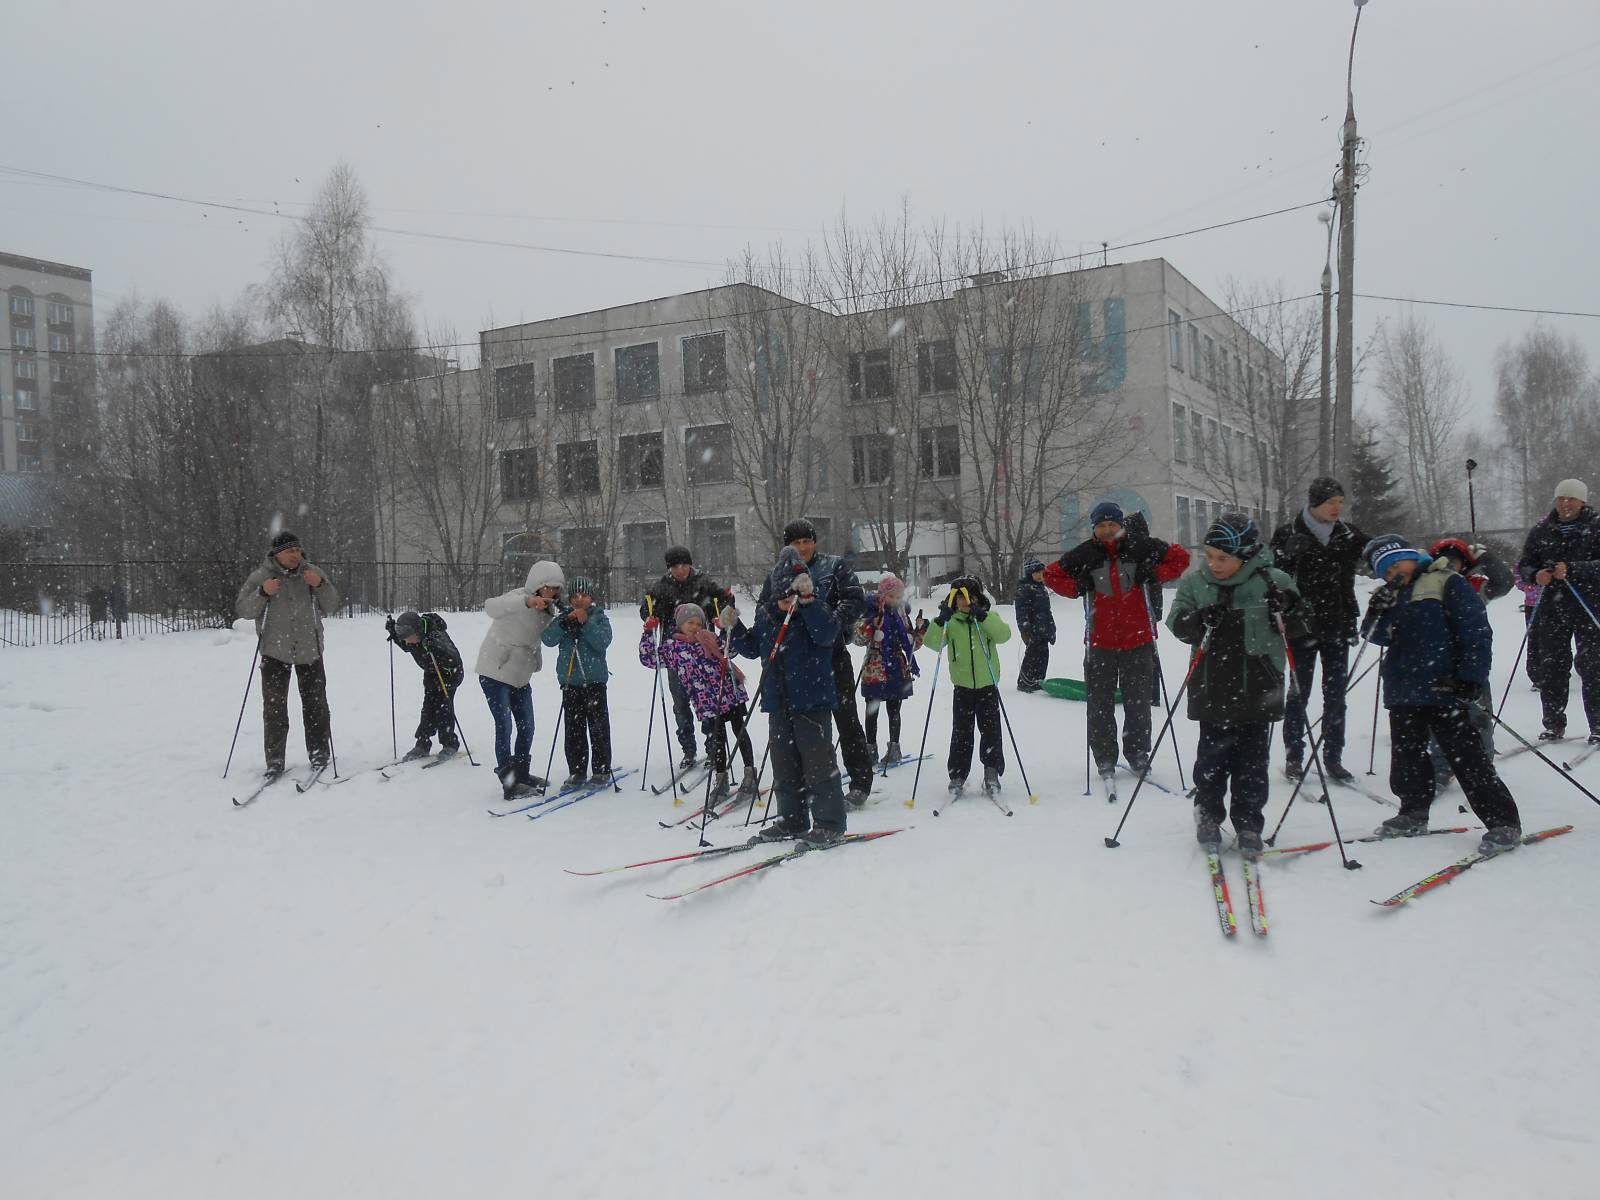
[794, 636]
[1438, 652]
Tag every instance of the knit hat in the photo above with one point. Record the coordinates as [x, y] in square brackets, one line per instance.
[580, 583]
[1106, 510]
[1323, 488]
[287, 541]
[407, 624]
[685, 612]
[1234, 533]
[679, 556]
[1032, 565]
[1573, 489]
[889, 583]
[795, 530]
[1384, 551]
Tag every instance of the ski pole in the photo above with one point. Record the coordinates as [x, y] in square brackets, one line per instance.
[1472, 503]
[755, 698]
[249, 679]
[1349, 863]
[555, 735]
[1377, 697]
[994, 676]
[1527, 627]
[655, 694]
[1088, 624]
[1529, 745]
[1316, 745]
[1578, 596]
[1161, 678]
[394, 731]
[583, 672]
[922, 750]
[445, 688]
[1200, 652]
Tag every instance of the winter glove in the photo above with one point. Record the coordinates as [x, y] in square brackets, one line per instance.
[1210, 615]
[944, 612]
[571, 626]
[1083, 557]
[1279, 601]
[652, 624]
[729, 616]
[979, 609]
[920, 628]
[1464, 690]
[1383, 599]
[1144, 572]
[804, 586]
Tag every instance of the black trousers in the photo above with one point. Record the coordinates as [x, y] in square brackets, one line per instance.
[1235, 754]
[682, 714]
[852, 738]
[1411, 770]
[438, 713]
[893, 707]
[313, 680]
[588, 736]
[804, 772]
[1134, 672]
[1478, 716]
[980, 706]
[1035, 663]
[729, 726]
[1335, 658]
[1550, 662]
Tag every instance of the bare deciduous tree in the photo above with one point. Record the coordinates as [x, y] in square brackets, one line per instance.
[1424, 398]
[1546, 401]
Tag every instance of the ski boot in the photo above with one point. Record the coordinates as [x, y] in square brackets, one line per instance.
[1553, 733]
[892, 754]
[957, 784]
[421, 750]
[688, 760]
[782, 830]
[1336, 771]
[857, 795]
[447, 752]
[747, 786]
[1138, 762]
[1250, 846]
[574, 781]
[1402, 825]
[513, 788]
[721, 788]
[599, 776]
[1500, 839]
[1207, 831]
[1294, 768]
[991, 781]
[821, 838]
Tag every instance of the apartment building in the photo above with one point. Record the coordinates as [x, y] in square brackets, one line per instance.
[46, 387]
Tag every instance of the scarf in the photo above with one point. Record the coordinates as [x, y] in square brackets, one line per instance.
[1321, 530]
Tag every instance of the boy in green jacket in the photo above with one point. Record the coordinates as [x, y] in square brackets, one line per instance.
[1231, 607]
[970, 629]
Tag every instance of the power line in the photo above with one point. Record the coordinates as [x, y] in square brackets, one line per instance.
[1538, 312]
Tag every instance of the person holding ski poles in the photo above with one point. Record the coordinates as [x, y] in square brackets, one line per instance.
[1562, 557]
[696, 655]
[968, 625]
[581, 634]
[423, 637]
[682, 584]
[887, 677]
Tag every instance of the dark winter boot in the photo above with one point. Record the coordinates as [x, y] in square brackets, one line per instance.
[822, 838]
[782, 830]
[872, 754]
[600, 775]
[574, 781]
[857, 795]
[991, 781]
[512, 788]
[1553, 733]
[448, 751]
[1250, 845]
[1500, 839]
[1207, 831]
[1138, 760]
[957, 782]
[1402, 825]
[421, 750]
[892, 755]
[721, 788]
[1335, 770]
[1294, 768]
[525, 777]
[747, 785]
[688, 760]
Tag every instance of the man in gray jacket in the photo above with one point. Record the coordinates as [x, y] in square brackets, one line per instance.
[287, 597]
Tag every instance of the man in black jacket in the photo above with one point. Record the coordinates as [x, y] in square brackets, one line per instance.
[1320, 552]
[682, 584]
[840, 592]
[1562, 555]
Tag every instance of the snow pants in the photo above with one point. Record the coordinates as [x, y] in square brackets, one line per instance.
[1104, 672]
[852, 738]
[730, 726]
[1411, 770]
[1335, 658]
[1035, 664]
[588, 736]
[313, 680]
[980, 706]
[805, 777]
[1236, 754]
[438, 712]
[1550, 662]
[682, 714]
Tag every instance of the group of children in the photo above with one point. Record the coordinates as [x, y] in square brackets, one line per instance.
[1240, 613]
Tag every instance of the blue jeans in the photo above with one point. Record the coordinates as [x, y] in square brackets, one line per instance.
[509, 705]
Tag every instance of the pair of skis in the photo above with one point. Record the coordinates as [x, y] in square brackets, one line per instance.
[303, 785]
[799, 848]
[1254, 897]
[565, 796]
[992, 793]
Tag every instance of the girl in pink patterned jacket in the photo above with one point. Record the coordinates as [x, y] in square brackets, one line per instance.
[715, 685]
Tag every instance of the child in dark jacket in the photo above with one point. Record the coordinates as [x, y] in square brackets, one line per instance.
[1438, 645]
[891, 638]
[1230, 609]
[971, 630]
[1036, 623]
[582, 632]
[423, 637]
[714, 685]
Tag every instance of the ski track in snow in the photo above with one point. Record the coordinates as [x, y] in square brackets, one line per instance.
[375, 990]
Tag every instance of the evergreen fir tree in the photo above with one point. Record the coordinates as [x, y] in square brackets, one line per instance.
[1378, 506]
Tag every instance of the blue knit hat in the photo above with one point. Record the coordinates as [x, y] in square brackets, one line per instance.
[1106, 510]
[1032, 565]
[1234, 533]
[1384, 551]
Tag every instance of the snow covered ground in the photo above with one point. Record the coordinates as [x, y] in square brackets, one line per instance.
[376, 990]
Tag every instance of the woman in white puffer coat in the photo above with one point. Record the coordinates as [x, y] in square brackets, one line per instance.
[509, 656]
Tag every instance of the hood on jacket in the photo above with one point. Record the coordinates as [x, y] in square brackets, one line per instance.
[1251, 566]
[545, 573]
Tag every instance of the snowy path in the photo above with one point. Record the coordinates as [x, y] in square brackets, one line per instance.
[376, 990]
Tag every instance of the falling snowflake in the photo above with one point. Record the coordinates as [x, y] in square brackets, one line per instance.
[897, 328]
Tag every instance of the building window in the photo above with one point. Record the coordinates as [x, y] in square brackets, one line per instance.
[514, 391]
[936, 367]
[871, 459]
[638, 372]
[25, 401]
[824, 528]
[26, 432]
[1015, 375]
[60, 372]
[715, 550]
[21, 338]
[705, 364]
[1214, 447]
[1194, 350]
[939, 451]
[1174, 340]
[519, 474]
[708, 452]
[26, 368]
[871, 376]
[583, 552]
[643, 545]
[1211, 363]
[1180, 506]
[578, 468]
[22, 306]
[61, 343]
[29, 461]
[1180, 434]
[1197, 438]
[640, 461]
[572, 381]
[58, 314]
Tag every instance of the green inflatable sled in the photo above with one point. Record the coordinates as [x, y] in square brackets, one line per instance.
[1070, 689]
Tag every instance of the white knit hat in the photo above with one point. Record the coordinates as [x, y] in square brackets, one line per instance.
[1573, 489]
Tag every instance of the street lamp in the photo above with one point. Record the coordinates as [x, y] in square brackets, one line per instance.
[1346, 193]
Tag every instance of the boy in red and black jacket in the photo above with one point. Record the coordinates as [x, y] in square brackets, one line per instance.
[1111, 571]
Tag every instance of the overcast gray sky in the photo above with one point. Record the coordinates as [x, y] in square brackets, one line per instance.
[683, 130]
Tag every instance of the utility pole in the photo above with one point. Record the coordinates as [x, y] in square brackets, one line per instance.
[1344, 410]
[1325, 408]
